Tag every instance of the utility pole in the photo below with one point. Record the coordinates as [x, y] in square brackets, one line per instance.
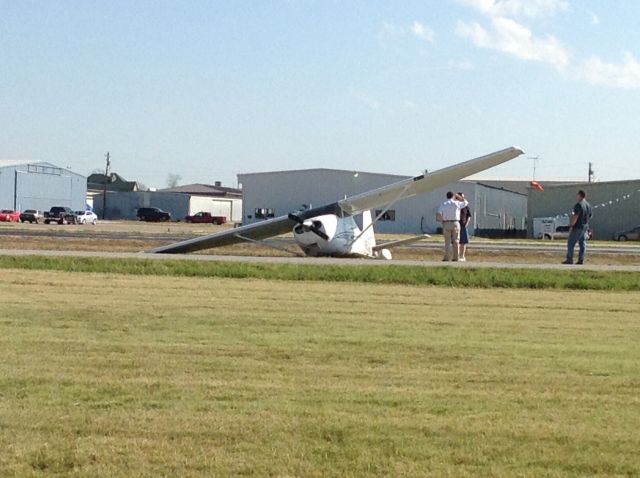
[535, 164]
[106, 181]
[591, 172]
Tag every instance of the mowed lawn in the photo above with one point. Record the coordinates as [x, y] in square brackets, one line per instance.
[120, 375]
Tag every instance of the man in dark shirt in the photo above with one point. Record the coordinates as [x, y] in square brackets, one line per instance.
[465, 217]
[579, 228]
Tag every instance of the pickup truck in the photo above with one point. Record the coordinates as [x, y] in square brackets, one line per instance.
[205, 218]
[60, 214]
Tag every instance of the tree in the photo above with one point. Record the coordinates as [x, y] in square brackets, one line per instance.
[173, 180]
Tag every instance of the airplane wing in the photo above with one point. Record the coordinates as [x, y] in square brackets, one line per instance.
[424, 183]
[257, 231]
[376, 198]
[251, 232]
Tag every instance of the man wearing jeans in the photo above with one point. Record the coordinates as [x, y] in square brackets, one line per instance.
[449, 216]
[579, 228]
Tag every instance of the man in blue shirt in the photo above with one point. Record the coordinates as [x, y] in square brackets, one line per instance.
[579, 228]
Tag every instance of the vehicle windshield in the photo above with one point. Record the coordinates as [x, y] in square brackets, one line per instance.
[30, 211]
[6, 211]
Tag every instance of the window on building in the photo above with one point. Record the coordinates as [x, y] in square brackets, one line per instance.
[264, 213]
[39, 169]
[389, 215]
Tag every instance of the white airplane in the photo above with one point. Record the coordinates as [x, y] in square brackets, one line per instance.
[331, 230]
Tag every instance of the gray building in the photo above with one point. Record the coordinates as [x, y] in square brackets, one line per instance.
[616, 205]
[125, 205]
[40, 185]
[496, 211]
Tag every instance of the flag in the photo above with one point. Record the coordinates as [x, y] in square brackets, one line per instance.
[537, 185]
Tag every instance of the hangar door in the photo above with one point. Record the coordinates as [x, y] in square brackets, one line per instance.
[41, 187]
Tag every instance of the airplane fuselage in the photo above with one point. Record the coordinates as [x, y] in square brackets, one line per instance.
[343, 237]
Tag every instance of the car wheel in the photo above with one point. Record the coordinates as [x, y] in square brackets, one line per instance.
[94, 222]
[622, 238]
[546, 237]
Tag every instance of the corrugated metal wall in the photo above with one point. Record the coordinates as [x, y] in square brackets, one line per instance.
[41, 186]
[124, 205]
[618, 205]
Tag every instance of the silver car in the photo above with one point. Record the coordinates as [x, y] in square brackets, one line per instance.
[630, 235]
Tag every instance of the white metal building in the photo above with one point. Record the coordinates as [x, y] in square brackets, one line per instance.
[214, 198]
[496, 211]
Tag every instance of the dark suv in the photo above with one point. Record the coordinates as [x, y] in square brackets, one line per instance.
[153, 214]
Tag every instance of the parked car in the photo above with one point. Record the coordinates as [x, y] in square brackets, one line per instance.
[86, 217]
[630, 235]
[153, 214]
[203, 217]
[31, 215]
[60, 215]
[9, 215]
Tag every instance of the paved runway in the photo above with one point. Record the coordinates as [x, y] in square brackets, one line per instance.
[315, 261]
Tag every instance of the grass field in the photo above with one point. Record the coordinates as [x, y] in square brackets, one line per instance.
[128, 375]
[375, 273]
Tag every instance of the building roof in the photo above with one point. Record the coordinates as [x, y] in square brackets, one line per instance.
[37, 166]
[115, 182]
[199, 189]
[16, 162]
[309, 170]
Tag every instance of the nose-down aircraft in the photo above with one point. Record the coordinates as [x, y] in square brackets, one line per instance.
[331, 230]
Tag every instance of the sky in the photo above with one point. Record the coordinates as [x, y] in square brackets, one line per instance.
[209, 89]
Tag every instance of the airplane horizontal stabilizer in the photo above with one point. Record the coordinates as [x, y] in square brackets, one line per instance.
[400, 242]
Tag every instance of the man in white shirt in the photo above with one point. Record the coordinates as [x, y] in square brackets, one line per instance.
[449, 216]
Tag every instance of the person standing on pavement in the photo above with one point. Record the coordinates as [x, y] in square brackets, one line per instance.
[449, 215]
[579, 229]
[465, 217]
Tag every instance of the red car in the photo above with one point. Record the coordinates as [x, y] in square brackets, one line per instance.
[205, 218]
[9, 215]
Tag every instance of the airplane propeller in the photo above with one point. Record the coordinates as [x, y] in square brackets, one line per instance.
[316, 230]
